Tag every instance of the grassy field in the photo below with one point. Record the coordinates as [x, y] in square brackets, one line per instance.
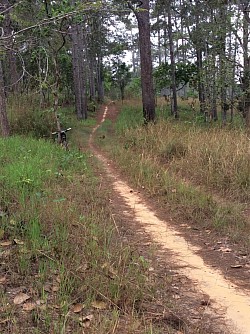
[64, 267]
[200, 171]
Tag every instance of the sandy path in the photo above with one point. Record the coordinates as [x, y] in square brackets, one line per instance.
[225, 296]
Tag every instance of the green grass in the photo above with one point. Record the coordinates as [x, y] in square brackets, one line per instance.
[64, 248]
[64, 238]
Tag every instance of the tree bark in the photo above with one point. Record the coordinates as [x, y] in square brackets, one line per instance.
[172, 60]
[78, 70]
[5, 128]
[99, 77]
[10, 61]
[148, 101]
[246, 73]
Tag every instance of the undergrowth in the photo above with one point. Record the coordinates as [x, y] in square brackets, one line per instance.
[201, 173]
[64, 267]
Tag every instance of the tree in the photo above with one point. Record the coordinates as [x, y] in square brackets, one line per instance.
[141, 12]
[5, 129]
[245, 79]
[78, 57]
[4, 123]
[121, 75]
[174, 107]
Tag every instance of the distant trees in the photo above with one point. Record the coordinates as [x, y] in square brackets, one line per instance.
[214, 36]
[62, 46]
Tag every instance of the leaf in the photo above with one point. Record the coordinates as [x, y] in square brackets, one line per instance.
[98, 304]
[21, 298]
[18, 242]
[236, 266]
[225, 249]
[47, 288]
[59, 200]
[2, 279]
[111, 272]
[86, 321]
[77, 308]
[29, 307]
[6, 243]
[55, 288]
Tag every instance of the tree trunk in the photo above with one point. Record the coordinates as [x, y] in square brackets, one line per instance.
[148, 100]
[100, 88]
[172, 60]
[222, 61]
[200, 83]
[91, 62]
[78, 70]
[10, 62]
[246, 73]
[5, 129]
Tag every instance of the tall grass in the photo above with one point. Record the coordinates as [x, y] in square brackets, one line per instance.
[215, 157]
[202, 174]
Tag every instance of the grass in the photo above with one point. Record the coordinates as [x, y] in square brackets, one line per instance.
[58, 241]
[59, 245]
[56, 226]
[201, 173]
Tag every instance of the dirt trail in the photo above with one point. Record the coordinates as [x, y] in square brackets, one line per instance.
[225, 296]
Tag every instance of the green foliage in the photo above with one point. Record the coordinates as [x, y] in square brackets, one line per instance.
[184, 73]
[37, 123]
[133, 89]
[120, 75]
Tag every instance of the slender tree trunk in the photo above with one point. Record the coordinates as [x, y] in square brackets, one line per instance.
[200, 82]
[78, 70]
[159, 39]
[148, 100]
[246, 74]
[82, 69]
[232, 54]
[133, 51]
[172, 60]
[222, 62]
[10, 62]
[91, 62]
[100, 88]
[5, 128]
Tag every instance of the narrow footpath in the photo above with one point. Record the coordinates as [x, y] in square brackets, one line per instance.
[225, 298]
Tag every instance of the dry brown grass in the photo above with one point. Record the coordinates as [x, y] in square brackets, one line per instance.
[216, 158]
[201, 173]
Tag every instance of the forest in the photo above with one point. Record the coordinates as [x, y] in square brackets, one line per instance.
[65, 51]
[156, 93]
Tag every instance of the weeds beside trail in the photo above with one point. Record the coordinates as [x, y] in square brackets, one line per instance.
[64, 267]
[202, 174]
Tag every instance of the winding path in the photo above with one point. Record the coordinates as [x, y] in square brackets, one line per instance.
[223, 294]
